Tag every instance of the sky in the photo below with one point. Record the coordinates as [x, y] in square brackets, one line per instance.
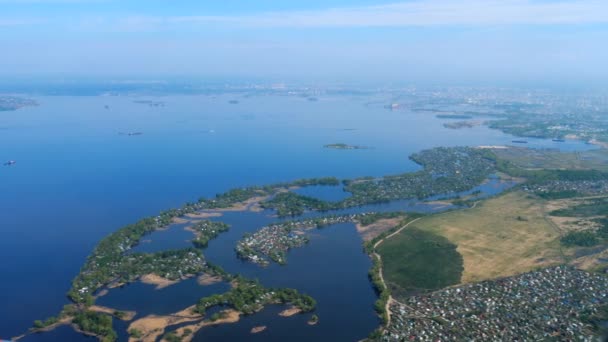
[341, 40]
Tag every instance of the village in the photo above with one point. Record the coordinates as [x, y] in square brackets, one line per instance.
[581, 187]
[272, 242]
[552, 303]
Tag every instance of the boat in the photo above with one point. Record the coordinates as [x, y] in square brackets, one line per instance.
[559, 140]
[10, 162]
[519, 141]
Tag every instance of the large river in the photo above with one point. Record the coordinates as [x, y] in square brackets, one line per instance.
[77, 179]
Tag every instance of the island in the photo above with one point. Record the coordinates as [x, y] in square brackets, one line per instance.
[341, 146]
[461, 124]
[12, 103]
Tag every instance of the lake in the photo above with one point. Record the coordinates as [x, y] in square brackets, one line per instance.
[77, 179]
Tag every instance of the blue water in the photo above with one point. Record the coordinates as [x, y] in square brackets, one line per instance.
[146, 299]
[175, 237]
[76, 179]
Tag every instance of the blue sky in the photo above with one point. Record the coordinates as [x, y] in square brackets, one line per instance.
[341, 40]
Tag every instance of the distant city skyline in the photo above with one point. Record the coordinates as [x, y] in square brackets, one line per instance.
[428, 40]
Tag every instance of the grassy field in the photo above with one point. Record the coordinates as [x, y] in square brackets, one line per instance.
[501, 236]
[417, 260]
[551, 159]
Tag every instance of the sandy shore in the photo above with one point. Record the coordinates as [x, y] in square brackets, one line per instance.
[152, 327]
[290, 312]
[256, 330]
[159, 281]
[229, 316]
[179, 220]
[252, 204]
[311, 322]
[63, 321]
[206, 279]
[204, 215]
[128, 315]
[102, 293]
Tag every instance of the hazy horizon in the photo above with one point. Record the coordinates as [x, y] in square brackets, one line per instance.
[428, 41]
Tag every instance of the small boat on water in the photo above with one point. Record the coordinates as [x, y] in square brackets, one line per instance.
[10, 162]
[559, 140]
[519, 141]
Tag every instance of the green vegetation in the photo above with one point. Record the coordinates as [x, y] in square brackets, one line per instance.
[126, 268]
[96, 324]
[368, 246]
[589, 208]
[382, 291]
[249, 296]
[135, 333]
[588, 238]
[38, 324]
[445, 170]
[529, 158]
[417, 260]
[580, 239]
[292, 204]
[172, 337]
[206, 231]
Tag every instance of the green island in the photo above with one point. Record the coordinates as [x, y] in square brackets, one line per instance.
[207, 230]
[341, 146]
[249, 296]
[461, 124]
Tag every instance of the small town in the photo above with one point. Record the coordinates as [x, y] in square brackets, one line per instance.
[552, 303]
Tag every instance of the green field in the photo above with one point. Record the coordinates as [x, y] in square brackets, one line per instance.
[416, 261]
[552, 159]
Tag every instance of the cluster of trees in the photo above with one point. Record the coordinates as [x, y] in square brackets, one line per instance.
[233, 196]
[587, 238]
[97, 324]
[38, 324]
[292, 204]
[446, 170]
[250, 296]
[208, 230]
[580, 238]
[173, 337]
[589, 208]
[171, 264]
[381, 289]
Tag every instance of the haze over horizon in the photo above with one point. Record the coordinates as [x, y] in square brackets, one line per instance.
[439, 40]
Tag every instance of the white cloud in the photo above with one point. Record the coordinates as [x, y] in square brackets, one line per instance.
[421, 13]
